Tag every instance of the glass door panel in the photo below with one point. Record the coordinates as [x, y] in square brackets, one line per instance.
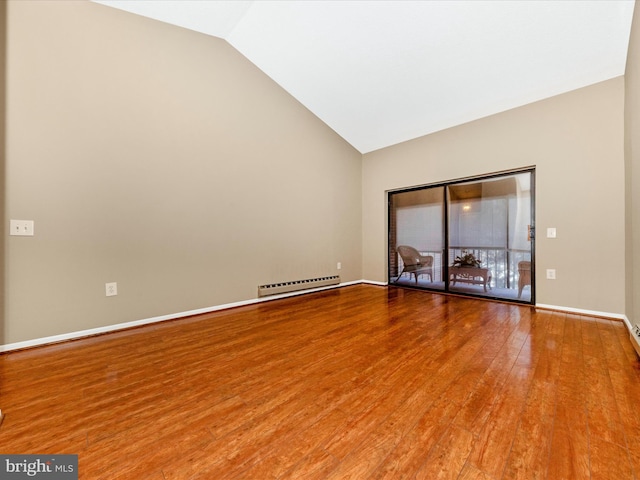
[416, 246]
[489, 249]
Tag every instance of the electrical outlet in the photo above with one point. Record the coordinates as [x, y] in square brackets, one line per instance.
[22, 228]
[551, 273]
[111, 289]
[339, 266]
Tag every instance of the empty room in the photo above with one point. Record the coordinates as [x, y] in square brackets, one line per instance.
[320, 239]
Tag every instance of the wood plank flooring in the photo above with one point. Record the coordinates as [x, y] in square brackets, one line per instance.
[361, 382]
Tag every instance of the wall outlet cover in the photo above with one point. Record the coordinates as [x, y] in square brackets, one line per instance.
[111, 289]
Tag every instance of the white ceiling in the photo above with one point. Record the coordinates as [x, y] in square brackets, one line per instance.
[382, 72]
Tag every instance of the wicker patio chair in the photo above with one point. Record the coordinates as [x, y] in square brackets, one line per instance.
[524, 276]
[415, 263]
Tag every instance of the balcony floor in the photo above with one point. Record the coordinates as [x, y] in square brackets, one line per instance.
[493, 292]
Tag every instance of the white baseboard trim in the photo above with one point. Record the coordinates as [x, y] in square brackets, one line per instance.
[580, 311]
[163, 318]
[372, 282]
[633, 337]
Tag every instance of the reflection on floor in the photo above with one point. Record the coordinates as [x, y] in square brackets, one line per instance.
[504, 293]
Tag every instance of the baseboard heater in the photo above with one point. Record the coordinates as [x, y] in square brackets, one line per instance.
[635, 338]
[296, 285]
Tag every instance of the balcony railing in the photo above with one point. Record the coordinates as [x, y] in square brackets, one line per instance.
[503, 262]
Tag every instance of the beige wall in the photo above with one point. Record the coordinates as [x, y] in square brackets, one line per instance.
[632, 164]
[575, 141]
[3, 231]
[163, 160]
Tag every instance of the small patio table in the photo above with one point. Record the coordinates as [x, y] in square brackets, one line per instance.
[472, 275]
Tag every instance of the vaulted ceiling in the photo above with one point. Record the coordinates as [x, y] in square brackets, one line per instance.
[383, 72]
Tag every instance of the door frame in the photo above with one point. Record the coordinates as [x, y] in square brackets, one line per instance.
[391, 240]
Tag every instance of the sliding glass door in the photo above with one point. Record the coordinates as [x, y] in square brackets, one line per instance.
[472, 237]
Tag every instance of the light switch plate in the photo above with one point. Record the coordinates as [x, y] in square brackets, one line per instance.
[21, 228]
[551, 232]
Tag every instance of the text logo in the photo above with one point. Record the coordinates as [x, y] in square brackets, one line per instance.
[45, 467]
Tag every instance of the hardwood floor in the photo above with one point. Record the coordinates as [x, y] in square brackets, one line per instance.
[361, 382]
